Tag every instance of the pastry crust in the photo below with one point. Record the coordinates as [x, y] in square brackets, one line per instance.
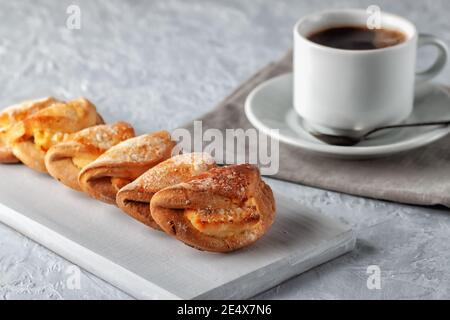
[134, 198]
[123, 163]
[31, 138]
[12, 115]
[221, 210]
[65, 160]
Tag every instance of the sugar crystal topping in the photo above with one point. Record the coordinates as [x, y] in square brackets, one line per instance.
[176, 170]
[140, 149]
[104, 137]
[231, 181]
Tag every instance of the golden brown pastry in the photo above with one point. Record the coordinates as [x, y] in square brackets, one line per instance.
[123, 163]
[31, 138]
[135, 197]
[12, 115]
[221, 210]
[65, 160]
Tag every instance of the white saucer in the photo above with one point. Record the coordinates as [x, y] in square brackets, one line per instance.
[269, 106]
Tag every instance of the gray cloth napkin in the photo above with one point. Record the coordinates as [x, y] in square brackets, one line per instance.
[420, 176]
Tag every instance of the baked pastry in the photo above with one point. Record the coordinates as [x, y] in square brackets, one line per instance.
[31, 138]
[123, 163]
[65, 160]
[12, 115]
[222, 210]
[135, 197]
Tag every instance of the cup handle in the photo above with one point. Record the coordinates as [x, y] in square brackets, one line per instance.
[441, 60]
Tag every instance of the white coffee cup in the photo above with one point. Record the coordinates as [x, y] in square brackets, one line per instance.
[346, 92]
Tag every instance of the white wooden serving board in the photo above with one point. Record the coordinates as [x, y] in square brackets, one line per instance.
[150, 265]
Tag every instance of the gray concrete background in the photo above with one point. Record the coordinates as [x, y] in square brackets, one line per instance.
[159, 64]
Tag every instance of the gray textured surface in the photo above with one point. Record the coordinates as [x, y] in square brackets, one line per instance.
[159, 64]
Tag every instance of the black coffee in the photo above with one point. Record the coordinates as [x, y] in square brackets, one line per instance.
[357, 38]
